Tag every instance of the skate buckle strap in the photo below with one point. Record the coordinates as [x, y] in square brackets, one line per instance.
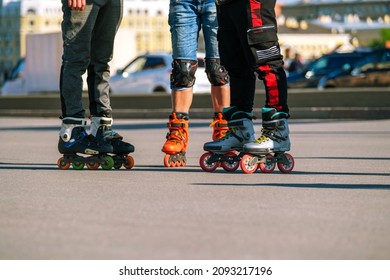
[232, 132]
[269, 134]
[175, 136]
[236, 123]
[174, 124]
[111, 134]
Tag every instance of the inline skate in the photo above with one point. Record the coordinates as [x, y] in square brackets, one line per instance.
[74, 142]
[101, 128]
[226, 151]
[177, 140]
[274, 139]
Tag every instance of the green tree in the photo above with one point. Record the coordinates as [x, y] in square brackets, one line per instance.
[381, 41]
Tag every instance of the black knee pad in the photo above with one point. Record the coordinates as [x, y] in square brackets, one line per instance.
[183, 72]
[264, 44]
[216, 73]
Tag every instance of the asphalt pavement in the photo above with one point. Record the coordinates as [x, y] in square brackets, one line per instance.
[334, 205]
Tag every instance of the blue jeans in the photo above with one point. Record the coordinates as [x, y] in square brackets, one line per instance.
[186, 19]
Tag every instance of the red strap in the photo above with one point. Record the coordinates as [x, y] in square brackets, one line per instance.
[255, 7]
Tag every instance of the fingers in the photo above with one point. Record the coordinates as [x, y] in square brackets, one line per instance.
[77, 4]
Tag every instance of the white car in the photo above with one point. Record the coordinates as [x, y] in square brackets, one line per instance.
[150, 73]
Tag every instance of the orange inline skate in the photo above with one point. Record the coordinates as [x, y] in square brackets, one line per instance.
[177, 140]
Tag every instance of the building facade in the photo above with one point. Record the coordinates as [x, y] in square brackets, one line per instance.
[147, 21]
[146, 18]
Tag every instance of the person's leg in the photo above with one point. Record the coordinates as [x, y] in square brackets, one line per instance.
[235, 55]
[216, 73]
[242, 79]
[263, 41]
[183, 21]
[102, 45]
[77, 28]
[184, 27]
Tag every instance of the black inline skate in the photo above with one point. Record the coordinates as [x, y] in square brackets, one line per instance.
[80, 149]
[101, 127]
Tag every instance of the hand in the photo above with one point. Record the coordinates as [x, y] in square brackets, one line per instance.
[77, 4]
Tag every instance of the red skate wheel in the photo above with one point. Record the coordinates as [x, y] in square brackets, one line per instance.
[203, 162]
[269, 165]
[230, 165]
[287, 164]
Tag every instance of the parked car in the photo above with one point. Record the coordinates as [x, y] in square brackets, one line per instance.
[15, 81]
[310, 75]
[373, 70]
[150, 73]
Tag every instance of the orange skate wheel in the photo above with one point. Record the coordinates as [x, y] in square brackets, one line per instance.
[63, 164]
[247, 164]
[129, 164]
[92, 165]
[167, 160]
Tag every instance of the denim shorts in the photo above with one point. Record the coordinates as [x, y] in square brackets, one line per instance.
[186, 19]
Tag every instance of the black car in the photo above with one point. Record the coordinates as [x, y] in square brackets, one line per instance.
[310, 75]
[373, 70]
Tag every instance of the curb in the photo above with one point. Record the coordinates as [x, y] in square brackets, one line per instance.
[370, 103]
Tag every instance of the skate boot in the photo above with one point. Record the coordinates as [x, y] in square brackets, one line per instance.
[226, 151]
[220, 126]
[177, 140]
[74, 140]
[274, 139]
[101, 127]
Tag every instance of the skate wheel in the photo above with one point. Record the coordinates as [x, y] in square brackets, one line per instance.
[167, 161]
[117, 165]
[129, 162]
[109, 163]
[269, 165]
[248, 164]
[62, 164]
[78, 165]
[205, 165]
[286, 165]
[230, 165]
[93, 165]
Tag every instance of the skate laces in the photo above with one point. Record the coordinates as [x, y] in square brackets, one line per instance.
[220, 127]
[231, 132]
[266, 134]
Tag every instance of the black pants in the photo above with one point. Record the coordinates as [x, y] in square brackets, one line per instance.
[88, 38]
[248, 44]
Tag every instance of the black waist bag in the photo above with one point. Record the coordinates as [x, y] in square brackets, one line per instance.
[222, 2]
